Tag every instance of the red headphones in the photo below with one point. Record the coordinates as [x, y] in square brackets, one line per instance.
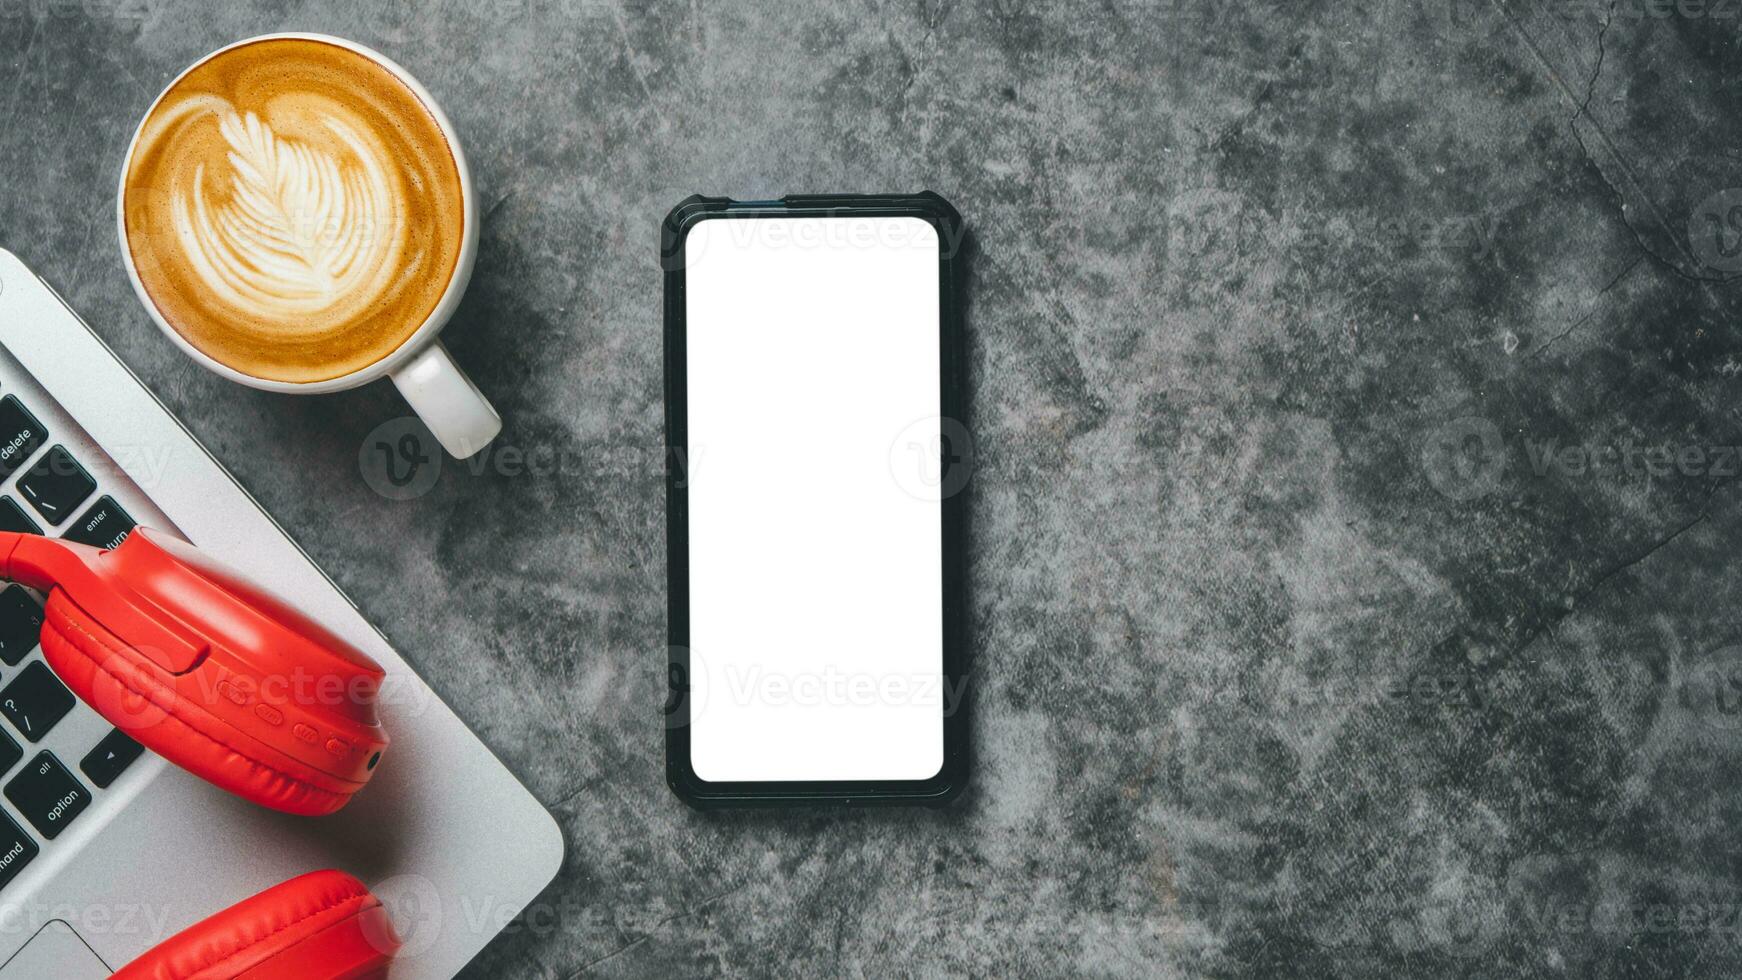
[205, 668]
[322, 926]
[226, 680]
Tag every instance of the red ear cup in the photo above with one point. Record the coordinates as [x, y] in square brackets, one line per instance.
[321, 926]
[207, 669]
[134, 696]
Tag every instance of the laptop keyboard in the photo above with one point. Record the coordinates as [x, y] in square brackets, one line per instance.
[51, 488]
[104, 526]
[48, 795]
[56, 485]
[35, 701]
[20, 624]
[13, 518]
[110, 758]
[21, 435]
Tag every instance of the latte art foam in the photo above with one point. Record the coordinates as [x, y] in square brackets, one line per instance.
[302, 234]
[293, 210]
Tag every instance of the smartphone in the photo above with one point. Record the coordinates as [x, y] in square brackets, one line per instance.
[818, 465]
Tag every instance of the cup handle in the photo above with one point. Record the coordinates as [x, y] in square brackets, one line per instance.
[448, 402]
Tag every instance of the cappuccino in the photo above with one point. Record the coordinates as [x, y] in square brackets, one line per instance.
[293, 210]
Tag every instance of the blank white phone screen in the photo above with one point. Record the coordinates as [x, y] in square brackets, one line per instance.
[815, 555]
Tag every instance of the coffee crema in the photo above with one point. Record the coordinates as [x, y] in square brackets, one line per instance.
[293, 209]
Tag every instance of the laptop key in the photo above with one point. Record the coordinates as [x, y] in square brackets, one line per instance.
[35, 701]
[56, 485]
[104, 526]
[110, 758]
[16, 850]
[10, 753]
[48, 795]
[13, 518]
[20, 624]
[21, 435]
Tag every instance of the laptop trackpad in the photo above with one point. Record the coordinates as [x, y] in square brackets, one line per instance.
[55, 951]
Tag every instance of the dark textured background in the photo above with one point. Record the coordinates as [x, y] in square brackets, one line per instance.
[1306, 645]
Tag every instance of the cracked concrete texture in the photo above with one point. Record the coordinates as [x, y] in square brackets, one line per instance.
[1354, 387]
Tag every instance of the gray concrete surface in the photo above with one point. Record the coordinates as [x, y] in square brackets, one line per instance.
[1355, 383]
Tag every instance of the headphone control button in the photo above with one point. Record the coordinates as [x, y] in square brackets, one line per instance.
[338, 747]
[267, 713]
[232, 693]
[306, 733]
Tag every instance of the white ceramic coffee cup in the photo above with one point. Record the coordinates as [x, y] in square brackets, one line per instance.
[459, 415]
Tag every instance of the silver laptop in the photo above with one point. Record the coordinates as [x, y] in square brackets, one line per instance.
[452, 843]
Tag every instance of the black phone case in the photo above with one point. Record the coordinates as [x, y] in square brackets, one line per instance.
[680, 774]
